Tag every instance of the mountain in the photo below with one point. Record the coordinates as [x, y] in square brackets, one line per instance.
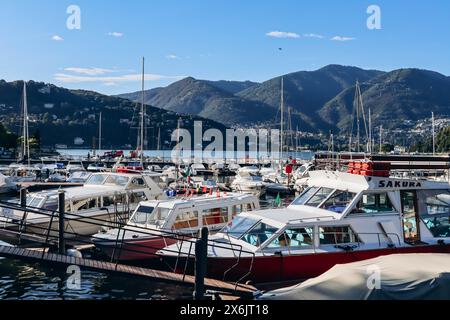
[307, 91]
[404, 94]
[208, 100]
[232, 87]
[61, 115]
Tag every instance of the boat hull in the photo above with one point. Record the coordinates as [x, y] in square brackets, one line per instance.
[134, 250]
[277, 268]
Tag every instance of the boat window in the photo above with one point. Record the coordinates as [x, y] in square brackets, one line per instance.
[51, 203]
[141, 216]
[186, 220]
[238, 226]
[34, 202]
[433, 201]
[108, 201]
[116, 181]
[319, 197]
[215, 216]
[294, 237]
[438, 224]
[371, 203]
[137, 197]
[337, 235]
[96, 179]
[137, 183]
[237, 209]
[159, 216]
[259, 234]
[305, 196]
[338, 201]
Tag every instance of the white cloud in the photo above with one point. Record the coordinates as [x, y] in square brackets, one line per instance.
[57, 38]
[313, 35]
[115, 34]
[173, 57]
[89, 71]
[282, 34]
[67, 78]
[340, 38]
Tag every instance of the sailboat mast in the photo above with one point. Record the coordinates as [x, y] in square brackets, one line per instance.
[433, 133]
[142, 111]
[282, 116]
[100, 133]
[370, 132]
[26, 138]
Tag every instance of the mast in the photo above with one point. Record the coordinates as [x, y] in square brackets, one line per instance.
[100, 133]
[369, 147]
[159, 139]
[282, 118]
[26, 138]
[142, 111]
[433, 132]
[381, 136]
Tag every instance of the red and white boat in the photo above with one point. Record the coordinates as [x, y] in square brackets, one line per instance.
[339, 218]
[159, 223]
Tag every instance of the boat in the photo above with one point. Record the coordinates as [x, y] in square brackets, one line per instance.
[402, 277]
[105, 199]
[156, 224]
[249, 183]
[97, 167]
[78, 177]
[340, 218]
[6, 185]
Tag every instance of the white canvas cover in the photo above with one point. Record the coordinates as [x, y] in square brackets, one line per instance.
[5, 184]
[402, 277]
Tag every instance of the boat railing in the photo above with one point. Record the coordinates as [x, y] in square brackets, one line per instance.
[340, 240]
[48, 236]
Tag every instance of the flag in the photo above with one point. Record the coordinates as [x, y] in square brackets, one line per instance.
[278, 200]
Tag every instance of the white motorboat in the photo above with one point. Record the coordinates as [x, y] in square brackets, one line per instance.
[249, 183]
[6, 185]
[79, 176]
[156, 224]
[339, 218]
[105, 199]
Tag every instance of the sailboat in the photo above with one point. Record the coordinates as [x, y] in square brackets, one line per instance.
[139, 153]
[24, 173]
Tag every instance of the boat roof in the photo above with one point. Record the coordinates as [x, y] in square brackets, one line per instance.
[291, 215]
[204, 199]
[86, 191]
[357, 183]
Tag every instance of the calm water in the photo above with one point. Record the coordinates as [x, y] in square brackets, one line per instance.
[33, 281]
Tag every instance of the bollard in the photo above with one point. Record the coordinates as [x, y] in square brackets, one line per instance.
[201, 253]
[61, 206]
[23, 197]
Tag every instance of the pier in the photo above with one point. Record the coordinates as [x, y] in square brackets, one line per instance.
[41, 256]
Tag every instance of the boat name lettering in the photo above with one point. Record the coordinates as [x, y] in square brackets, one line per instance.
[399, 184]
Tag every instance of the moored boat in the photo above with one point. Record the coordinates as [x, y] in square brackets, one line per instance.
[339, 218]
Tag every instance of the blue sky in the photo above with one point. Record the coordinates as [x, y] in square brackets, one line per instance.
[215, 39]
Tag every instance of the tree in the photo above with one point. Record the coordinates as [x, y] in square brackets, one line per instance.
[7, 139]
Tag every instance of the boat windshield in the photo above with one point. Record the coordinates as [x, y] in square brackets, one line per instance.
[105, 179]
[34, 202]
[238, 226]
[142, 214]
[325, 198]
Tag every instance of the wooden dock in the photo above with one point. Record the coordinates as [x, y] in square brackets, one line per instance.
[238, 290]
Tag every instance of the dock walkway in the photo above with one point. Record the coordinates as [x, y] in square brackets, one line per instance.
[240, 290]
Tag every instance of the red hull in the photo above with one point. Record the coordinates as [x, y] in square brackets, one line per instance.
[141, 249]
[299, 267]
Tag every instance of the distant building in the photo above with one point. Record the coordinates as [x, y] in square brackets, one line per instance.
[49, 105]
